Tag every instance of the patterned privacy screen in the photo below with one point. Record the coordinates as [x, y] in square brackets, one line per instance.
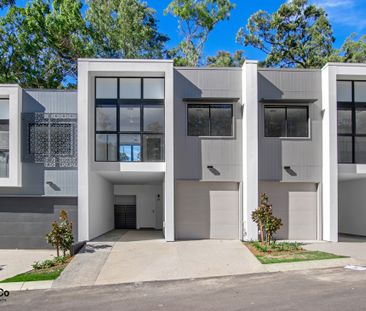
[50, 139]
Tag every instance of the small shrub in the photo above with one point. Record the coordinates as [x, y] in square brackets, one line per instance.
[37, 265]
[277, 247]
[60, 260]
[49, 263]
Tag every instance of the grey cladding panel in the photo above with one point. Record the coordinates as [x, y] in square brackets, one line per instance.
[194, 154]
[208, 82]
[36, 179]
[302, 155]
[291, 83]
[49, 101]
[24, 222]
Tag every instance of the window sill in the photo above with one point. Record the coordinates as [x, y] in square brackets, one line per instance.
[289, 138]
[212, 137]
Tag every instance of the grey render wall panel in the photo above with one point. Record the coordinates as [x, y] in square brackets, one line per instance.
[194, 154]
[36, 178]
[25, 221]
[302, 155]
[206, 210]
[352, 207]
[296, 205]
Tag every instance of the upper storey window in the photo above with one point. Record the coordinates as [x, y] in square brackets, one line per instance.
[351, 121]
[4, 138]
[286, 121]
[210, 120]
[129, 119]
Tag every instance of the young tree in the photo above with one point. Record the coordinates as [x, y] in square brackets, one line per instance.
[124, 29]
[54, 237]
[196, 19]
[61, 236]
[298, 34]
[226, 59]
[66, 233]
[267, 223]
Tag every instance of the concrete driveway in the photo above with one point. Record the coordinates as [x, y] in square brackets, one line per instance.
[122, 256]
[144, 256]
[348, 245]
[15, 261]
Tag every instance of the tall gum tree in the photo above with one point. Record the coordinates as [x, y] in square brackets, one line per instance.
[196, 19]
[298, 34]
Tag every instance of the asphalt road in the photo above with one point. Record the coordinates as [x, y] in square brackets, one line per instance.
[331, 289]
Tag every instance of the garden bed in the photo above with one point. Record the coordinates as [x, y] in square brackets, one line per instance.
[42, 271]
[285, 252]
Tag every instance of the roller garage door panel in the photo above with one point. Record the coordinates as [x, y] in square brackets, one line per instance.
[296, 205]
[206, 210]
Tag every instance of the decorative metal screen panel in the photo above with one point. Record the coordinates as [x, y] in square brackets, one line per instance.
[50, 138]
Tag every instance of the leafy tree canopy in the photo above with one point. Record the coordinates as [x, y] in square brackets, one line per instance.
[40, 44]
[196, 19]
[298, 34]
[352, 50]
[4, 3]
[226, 59]
[124, 29]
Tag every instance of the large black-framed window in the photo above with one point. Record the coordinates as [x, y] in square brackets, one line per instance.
[289, 121]
[210, 120]
[129, 119]
[351, 121]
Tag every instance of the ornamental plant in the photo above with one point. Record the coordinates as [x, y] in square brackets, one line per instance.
[66, 233]
[61, 236]
[267, 223]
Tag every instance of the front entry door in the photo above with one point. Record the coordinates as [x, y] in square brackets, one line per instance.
[125, 216]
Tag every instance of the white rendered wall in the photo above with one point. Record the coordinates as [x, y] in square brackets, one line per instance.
[352, 207]
[14, 94]
[330, 74]
[88, 69]
[329, 155]
[101, 206]
[250, 148]
[148, 206]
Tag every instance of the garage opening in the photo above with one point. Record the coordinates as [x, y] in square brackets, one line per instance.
[207, 210]
[125, 212]
[351, 208]
[297, 206]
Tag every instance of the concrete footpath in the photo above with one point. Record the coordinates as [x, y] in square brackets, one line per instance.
[16, 261]
[18, 286]
[123, 256]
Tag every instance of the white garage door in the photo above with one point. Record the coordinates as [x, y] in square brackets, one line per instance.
[206, 210]
[296, 205]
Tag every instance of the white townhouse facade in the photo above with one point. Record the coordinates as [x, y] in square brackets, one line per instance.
[143, 144]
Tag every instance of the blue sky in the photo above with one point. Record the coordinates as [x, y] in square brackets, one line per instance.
[346, 16]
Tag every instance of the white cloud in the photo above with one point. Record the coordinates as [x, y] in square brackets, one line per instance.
[347, 13]
[335, 3]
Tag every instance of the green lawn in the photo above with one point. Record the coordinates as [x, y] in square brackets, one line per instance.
[35, 275]
[286, 252]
